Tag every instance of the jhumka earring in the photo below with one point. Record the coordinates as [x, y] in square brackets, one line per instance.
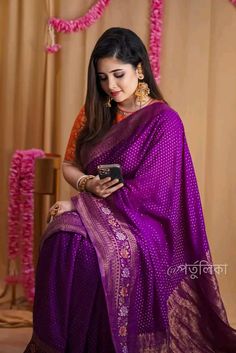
[142, 90]
[107, 104]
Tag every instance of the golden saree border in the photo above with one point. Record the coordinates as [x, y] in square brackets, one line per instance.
[152, 342]
[116, 249]
[184, 314]
[185, 319]
[65, 222]
[131, 123]
[78, 125]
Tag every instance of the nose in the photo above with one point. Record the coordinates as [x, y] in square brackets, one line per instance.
[111, 83]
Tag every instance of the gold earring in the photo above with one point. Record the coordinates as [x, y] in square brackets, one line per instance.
[142, 90]
[107, 104]
[140, 72]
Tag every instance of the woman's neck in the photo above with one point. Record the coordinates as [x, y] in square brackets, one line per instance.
[131, 105]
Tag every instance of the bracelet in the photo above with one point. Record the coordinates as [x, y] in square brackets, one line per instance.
[78, 180]
[81, 183]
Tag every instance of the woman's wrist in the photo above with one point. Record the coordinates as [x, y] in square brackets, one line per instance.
[82, 181]
[88, 185]
[78, 181]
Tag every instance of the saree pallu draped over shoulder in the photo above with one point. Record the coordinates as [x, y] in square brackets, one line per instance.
[158, 289]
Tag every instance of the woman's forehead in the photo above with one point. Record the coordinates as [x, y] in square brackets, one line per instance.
[111, 64]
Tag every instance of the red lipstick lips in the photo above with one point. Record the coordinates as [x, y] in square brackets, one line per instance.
[115, 93]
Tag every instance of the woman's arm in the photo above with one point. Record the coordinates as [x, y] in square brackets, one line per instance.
[71, 173]
[101, 188]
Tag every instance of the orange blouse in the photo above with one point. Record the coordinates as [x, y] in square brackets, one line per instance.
[77, 127]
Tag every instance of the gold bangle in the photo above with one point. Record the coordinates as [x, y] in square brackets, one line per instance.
[83, 181]
[79, 180]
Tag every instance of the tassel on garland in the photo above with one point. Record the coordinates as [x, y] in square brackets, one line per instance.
[82, 23]
[52, 47]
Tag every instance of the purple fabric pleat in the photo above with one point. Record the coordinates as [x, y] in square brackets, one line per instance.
[147, 239]
[70, 312]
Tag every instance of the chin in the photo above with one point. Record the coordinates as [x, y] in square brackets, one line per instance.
[118, 100]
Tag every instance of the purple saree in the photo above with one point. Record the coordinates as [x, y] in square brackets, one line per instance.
[132, 273]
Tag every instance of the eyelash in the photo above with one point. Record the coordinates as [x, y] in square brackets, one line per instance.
[116, 76]
[119, 76]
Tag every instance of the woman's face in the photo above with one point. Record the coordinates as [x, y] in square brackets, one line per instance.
[118, 79]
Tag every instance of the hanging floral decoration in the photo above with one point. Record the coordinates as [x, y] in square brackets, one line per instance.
[53, 47]
[156, 20]
[21, 219]
[233, 2]
[95, 12]
[70, 26]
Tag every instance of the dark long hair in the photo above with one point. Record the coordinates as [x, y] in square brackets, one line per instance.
[126, 46]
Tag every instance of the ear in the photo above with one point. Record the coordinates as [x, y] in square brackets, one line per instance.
[138, 67]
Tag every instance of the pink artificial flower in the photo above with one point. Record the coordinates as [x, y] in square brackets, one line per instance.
[82, 23]
[53, 48]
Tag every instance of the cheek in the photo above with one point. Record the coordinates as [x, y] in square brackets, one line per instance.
[103, 85]
[132, 82]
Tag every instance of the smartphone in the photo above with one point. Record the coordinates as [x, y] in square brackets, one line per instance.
[110, 170]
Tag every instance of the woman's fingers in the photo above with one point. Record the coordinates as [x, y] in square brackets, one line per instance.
[55, 207]
[104, 181]
[103, 187]
[110, 183]
[109, 191]
[116, 187]
[58, 208]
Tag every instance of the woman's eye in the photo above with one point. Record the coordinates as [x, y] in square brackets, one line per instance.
[102, 78]
[119, 75]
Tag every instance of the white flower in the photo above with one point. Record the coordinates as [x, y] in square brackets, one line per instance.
[106, 210]
[123, 310]
[125, 272]
[120, 236]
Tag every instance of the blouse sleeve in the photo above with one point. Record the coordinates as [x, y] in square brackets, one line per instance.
[77, 127]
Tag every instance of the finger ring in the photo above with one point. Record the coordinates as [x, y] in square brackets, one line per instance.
[55, 209]
[53, 212]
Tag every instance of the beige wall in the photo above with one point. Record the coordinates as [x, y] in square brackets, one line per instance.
[199, 79]
[41, 94]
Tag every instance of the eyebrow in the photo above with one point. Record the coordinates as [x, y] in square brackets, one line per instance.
[109, 71]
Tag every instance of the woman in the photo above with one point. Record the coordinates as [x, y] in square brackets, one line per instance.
[128, 267]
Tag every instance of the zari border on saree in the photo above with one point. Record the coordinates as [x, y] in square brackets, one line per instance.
[65, 222]
[116, 249]
[123, 130]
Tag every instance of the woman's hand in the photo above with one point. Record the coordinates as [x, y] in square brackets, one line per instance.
[58, 208]
[102, 187]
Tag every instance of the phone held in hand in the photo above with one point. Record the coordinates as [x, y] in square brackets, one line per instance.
[110, 170]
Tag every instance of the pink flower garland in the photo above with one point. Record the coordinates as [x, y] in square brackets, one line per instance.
[233, 2]
[21, 218]
[14, 229]
[60, 25]
[155, 36]
[14, 205]
[82, 23]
